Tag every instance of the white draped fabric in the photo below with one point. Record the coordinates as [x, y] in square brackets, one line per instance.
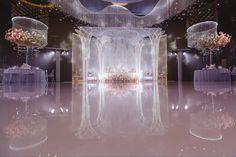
[115, 15]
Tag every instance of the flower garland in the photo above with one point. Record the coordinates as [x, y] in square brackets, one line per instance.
[121, 78]
[214, 41]
[26, 38]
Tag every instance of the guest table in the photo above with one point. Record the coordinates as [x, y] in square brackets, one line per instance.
[19, 75]
[212, 75]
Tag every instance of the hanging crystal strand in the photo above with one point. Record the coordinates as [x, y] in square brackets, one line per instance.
[138, 50]
[76, 59]
[27, 55]
[161, 11]
[17, 51]
[100, 72]
[211, 56]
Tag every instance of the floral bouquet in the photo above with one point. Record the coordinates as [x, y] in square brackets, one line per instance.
[21, 37]
[25, 66]
[122, 78]
[16, 36]
[214, 41]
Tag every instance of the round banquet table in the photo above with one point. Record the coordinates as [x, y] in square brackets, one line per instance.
[24, 76]
[212, 75]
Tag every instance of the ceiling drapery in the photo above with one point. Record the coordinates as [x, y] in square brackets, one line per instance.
[125, 13]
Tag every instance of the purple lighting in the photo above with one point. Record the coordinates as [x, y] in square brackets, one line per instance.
[123, 1]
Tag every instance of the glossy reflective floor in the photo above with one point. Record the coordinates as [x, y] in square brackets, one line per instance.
[118, 120]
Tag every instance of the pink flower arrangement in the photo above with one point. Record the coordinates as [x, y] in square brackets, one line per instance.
[16, 35]
[26, 38]
[121, 78]
[222, 39]
[214, 41]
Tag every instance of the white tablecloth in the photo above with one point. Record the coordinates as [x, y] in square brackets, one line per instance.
[212, 75]
[24, 76]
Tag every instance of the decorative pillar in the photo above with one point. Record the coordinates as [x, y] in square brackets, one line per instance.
[76, 60]
[162, 62]
[99, 45]
[180, 66]
[155, 40]
[85, 43]
[58, 66]
[138, 58]
[58, 94]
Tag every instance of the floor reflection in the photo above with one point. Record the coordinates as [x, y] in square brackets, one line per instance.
[209, 122]
[121, 110]
[118, 120]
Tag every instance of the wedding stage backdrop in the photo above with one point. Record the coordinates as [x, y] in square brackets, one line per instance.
[122, 46]
[119, 54]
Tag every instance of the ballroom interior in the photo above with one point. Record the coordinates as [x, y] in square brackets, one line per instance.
[117, 78]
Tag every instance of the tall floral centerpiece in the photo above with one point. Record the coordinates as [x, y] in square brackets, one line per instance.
[203, 36]
[27, 32]
[213, 42]
[25, 38]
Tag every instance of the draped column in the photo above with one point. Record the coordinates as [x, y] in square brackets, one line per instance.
[99, 45]
[76, 60]
[138, 58]
[155, 41]
[85, 47]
